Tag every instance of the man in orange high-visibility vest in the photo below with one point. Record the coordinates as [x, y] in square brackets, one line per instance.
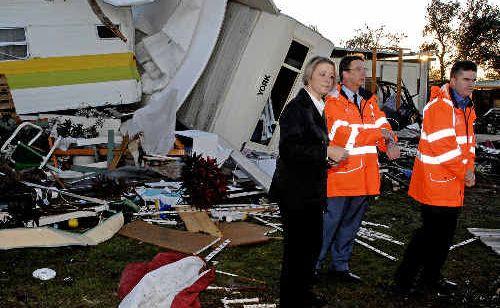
[443, 166]
[356, 124]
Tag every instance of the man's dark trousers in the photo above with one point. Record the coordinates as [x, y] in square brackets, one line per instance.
[429, 246]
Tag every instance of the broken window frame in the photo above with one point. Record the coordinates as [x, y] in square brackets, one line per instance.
[290, 55]
[113, 38]
[298, 78]
[15, 43]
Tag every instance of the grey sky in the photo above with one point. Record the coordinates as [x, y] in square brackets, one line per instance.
[337, 20]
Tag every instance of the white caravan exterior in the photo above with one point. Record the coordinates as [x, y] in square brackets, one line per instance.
[58, 55]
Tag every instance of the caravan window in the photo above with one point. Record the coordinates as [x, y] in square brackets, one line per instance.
[13, 45]
[105, 33]
[296, 55]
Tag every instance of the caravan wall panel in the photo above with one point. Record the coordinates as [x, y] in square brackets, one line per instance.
[76, 96]
[257, 72]
[262, 59]
[65, 28]
[200, 108]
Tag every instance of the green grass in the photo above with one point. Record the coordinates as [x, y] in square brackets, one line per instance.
[94, 272]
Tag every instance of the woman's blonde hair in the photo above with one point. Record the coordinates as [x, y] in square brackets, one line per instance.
[311, 66]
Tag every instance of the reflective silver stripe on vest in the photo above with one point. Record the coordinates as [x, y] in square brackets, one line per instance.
[436, 160]
[369, 149]
[440, 134]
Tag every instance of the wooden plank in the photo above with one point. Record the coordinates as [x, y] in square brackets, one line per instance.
[177, 240]
[6, 106]
[118, 154]
[199, 222]
[70, 152]
[6, 102]
[374, 71]
[400, 78]
[244, 233]
[84, 152]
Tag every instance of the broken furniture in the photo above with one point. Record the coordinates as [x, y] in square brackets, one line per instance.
[86, 136]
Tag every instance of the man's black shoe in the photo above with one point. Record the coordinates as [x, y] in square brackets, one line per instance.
[314, 301]
[442, 287]
[402, 290]
[315, 277]
[345, 276]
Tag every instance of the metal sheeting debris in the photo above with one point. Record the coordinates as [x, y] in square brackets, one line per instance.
[128, 2]
[490, 237]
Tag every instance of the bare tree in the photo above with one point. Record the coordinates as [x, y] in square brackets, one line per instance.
[369, 38]
[440, 17]
[478, 35]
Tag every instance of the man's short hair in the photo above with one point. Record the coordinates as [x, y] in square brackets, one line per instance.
[461, 66]
[311, 66]
[346, 62]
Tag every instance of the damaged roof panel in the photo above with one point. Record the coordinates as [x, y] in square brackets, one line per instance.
[263, 5]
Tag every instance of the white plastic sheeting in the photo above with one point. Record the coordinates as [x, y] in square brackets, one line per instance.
[128, 2]
[151, 18]
[155, 124]
[175, 57]
[263, 5]
[207, 144]
[158, 288]
[162, 53]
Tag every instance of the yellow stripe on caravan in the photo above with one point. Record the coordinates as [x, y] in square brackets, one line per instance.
[69, 63]
[61, 71]
[53, 79]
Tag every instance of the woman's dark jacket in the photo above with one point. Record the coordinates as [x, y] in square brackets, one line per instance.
[300, 177]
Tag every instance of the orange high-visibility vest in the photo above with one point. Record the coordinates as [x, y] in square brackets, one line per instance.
[358, 130]
[445, 151]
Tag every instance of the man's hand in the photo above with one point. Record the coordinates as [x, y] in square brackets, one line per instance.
[336, 154]
[388, 136]
[470, 178]
[393, 151]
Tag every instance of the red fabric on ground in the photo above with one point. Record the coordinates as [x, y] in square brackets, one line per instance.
[134, 272]
[188, 298]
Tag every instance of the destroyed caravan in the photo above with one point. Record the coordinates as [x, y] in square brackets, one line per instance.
[256, 68]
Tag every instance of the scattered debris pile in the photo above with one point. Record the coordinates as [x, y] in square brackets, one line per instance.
[402, 116]
[75, 180]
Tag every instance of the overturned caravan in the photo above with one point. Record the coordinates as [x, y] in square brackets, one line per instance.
[256, 68]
